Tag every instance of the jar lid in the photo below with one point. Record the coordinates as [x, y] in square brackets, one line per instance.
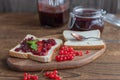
[112, 19]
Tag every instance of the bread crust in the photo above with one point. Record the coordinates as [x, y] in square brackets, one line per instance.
[96, 47]
[18, 55]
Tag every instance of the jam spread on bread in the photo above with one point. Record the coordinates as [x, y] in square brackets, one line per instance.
[36, 46]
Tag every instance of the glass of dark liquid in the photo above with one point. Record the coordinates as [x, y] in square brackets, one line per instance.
[53, 13]
[84, 19]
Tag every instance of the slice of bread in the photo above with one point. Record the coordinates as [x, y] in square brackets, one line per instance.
[29, 55]
[85, 44]
[93, 33]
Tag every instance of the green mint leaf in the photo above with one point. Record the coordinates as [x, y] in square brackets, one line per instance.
[34, 46]
[32, 42]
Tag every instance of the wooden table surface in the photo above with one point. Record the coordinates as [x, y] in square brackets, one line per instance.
[13, 28]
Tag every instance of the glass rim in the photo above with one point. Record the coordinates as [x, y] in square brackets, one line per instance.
[80, 9]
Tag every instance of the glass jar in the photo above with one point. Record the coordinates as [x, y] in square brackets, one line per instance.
[83, 19]
[53, 13]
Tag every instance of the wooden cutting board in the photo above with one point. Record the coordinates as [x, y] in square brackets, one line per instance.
[30, 65]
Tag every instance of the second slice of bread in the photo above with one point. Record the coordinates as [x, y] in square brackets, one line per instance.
[85, 44]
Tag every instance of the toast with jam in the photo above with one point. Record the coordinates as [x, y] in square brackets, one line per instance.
[38, 49]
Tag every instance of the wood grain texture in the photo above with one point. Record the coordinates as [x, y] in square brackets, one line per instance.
[13, 27]
[31, 5]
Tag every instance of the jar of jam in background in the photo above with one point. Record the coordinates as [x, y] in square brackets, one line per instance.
[53, 13]
[84, 19]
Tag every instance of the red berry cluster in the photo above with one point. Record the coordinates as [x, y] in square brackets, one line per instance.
[68, 53]
[30, 77]
[53, 75]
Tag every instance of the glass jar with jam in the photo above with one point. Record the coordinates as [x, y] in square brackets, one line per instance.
[83, 19]
[53, 13]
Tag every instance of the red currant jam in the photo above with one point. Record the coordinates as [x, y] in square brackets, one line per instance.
[88, 19]
[36, 47]
[53, 19]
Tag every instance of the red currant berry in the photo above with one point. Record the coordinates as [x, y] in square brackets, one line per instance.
[76, 53]
[61, 52]
[65, 52]
[28, 76]
[67, 49]
[87, 52]
[51, 76]
[80, 53]
[71, 49]
[63, 48]
[57, 58]
[61, 58]
[58, 78]
[71, 57]
[47, 74]
[32, 76]
[25, 78]
[25, 74]
[55, 72]
[71, 52]
[35, 77]
[68, 57]
[65, 58]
